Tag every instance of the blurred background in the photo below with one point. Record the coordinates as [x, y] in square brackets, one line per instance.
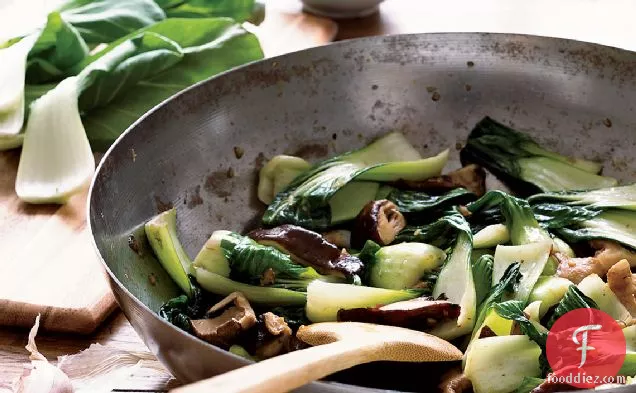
[608, 22]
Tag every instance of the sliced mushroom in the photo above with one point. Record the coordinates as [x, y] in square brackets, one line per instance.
[607, 254]
[225, 321]
[271, 337]
[308, 248]
[379, 221]
[277, 336]
[623, 283]
[454, 381]
[417, 314]
[471, 177]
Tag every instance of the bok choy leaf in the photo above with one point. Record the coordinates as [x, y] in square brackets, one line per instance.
[514, 156]
[622, 197]
[13, 66]
[305, 202]
[104, 21]
[56, 160]
[456, 283]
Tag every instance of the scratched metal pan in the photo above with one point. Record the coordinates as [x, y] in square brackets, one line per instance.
[200, 150]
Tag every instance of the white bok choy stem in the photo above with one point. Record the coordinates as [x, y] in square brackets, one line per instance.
[57, 160]
[13, 70]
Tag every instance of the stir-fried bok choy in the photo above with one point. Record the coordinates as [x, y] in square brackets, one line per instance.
[305, 201]
[381, 236]
[516, 157]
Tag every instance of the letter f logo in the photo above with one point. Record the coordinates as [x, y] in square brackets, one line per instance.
[584, 347]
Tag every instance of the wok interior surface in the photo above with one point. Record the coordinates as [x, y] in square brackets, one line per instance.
[201, 150]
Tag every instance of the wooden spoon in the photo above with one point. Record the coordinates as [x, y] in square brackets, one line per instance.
[336, 346]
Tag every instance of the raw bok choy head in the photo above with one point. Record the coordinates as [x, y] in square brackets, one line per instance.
[57, 160]
[307, 200]
[516, 157]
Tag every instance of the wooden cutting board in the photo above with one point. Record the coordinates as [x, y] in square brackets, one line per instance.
[47, 263]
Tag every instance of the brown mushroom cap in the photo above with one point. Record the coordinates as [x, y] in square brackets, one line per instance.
[471, 177]
[417, 314]
[379, 221]
[225, 321]
[308, 248]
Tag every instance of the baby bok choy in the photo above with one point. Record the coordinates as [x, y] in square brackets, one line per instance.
[400, 266]
[455, 281]
[229, 254]
[608, 213]
[56, 159]
[306, 200]
[161, 232]
[324, 299]
[516, 157]
[13, 60]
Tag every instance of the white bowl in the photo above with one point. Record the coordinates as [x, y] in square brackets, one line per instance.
[337, 9]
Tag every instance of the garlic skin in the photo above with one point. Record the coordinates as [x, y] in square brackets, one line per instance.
[42, 376]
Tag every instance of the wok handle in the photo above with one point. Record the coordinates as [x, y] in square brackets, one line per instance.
[292, 370]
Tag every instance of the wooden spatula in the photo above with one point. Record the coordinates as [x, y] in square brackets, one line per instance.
[336, 346]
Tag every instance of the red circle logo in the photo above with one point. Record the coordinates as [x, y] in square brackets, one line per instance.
[585, 348]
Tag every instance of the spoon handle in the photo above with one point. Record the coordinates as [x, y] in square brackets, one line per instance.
[287, 372]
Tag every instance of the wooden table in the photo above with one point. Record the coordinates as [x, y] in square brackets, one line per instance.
[567, 19]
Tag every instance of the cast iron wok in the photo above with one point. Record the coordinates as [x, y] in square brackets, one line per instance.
[201, 149]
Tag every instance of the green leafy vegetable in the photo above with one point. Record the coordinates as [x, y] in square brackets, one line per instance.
[348, 202]
[513, 310]
[528, 384]
[249, 260]
[514, 156]
[324, 300]
[179, 310]
[56, 160]
[531, 258]
[232, 255]
[161, 232]
[104, 21]
[599, 294]
[482, 275]
[209, 46]
[57, 49]
[276, 175]
[419, 206]
[491, 236]
[505, 286]
[401, 266]
[13, 68]
[573, 299]
[616, 225]
[175, 311]
[239, 10]
[223, 286]
[455, 281]
[549, 290]
[306, 200]
[440, 233]
[552, 215]
[490, 368]
[623, 197]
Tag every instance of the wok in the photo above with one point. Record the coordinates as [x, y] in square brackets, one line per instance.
[201, 149]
